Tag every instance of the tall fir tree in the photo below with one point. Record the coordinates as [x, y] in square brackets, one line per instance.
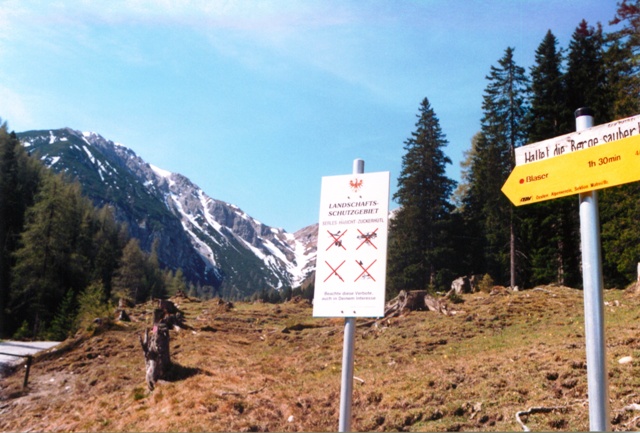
[586, 75]
[420, 250]
[469, 197]
[19, 182]
[63, 323]
[549, 115]
[53, 254]
[108, 248]
[620, 206]
[130, 279]
[622, 59]
[555, 256]
[174, 282]
[603, 80]
[502, 130]
[154, 277]
[620, 235]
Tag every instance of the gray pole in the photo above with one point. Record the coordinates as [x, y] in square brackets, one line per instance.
[346, 389]
[593, 299]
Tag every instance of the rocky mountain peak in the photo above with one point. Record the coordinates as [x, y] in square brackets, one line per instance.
[215, 243]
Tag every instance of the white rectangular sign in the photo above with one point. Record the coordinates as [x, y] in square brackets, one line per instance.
[351, 262]
[575, 141]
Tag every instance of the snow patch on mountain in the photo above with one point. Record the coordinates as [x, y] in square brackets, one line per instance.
[160, 172]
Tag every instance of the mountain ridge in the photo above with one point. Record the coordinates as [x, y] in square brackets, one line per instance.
[215, 243]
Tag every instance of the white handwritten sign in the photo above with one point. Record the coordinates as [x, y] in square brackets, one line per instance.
[575, 141]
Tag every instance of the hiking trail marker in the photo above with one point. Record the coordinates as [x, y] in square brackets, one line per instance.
[352, 246]
[596, 167]
[592, 158]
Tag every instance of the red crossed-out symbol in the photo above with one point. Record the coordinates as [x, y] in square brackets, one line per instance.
[365, 270]
[334, 271]
[336, 240]
[367, 238]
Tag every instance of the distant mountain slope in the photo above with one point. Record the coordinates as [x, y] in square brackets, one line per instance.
[215, 243]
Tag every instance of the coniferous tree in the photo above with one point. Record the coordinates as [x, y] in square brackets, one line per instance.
[549, 115]
[108, 245]
[469, 198]
[129, 281]
[286, 293]
[502, 130]
[622, 60]
[586, 75]
[604, 81]
[309, 291]
[462, 189]
[156, 287]
[174, 282]
[63, 322]
[485, 213]
[92, 303]
[553, 257]
[420, 247]
[52, 258]
[19, 180]
[620, 235]
[620, 206]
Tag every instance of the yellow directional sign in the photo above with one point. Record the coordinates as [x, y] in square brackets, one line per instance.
[593, 168]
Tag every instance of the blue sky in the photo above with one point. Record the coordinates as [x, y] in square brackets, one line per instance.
[255, 101]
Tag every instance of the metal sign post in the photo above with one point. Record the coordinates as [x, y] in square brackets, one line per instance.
[597, 379]
[346, 387]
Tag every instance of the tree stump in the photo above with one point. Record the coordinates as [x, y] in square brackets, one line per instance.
[415, 300]
[155, 346]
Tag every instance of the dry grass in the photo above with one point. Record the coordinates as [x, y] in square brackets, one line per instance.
[238, 371]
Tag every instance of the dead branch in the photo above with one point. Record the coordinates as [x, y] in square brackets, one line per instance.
[239, 394]
[256, 391]
[299, 327]
[632, 423]
[533, 410]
